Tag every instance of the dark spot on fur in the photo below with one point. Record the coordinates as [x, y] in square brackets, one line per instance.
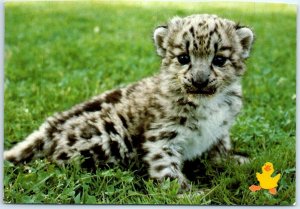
[215, 28]
[201, 24]
[86, 153]
[71, 139]
[167, 135]
[225, 122]
[99, 152]
[63, 156]
[27, 154]
[123, 121]
[110, 128]
[115, 149]
[76, 112]
[97, 149]
[52, 148]
[195, 45]
[86, 134]
[27, 151]
[152, 139]
[88, 161]
[130, 116]
[88, 131]
[137, 142]
[92, 106]
[40, 144]
[131, 89]
[192, 31]
[114, 97]
[128, 144]
[182, 120]
[182, 101]
[139, 138]
[51, 129]
[234, 93]
[169, 152]
[194, 127]
[228, 102]
[95, 131]
[93, 120]
[216, 47]
[157, 157]
[187, 46]
[219, 35]
[191, 104]
[59, 118]
[218, 148]
[175, 165]
[160, 168]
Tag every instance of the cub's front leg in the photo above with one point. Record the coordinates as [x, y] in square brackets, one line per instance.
[222, 149]
[164, 159]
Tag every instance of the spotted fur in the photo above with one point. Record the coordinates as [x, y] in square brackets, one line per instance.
[160, 121]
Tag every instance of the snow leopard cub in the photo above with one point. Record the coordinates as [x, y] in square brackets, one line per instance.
[161, 121]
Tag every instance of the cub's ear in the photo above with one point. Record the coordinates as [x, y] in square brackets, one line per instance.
[246, 37]
[159, 36]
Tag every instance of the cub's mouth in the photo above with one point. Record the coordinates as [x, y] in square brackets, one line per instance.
[208, 89]
[203, 91]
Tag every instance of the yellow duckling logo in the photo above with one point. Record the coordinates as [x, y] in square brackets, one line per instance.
[266, 181]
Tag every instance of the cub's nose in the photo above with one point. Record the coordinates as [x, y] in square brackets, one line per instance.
[200, 82]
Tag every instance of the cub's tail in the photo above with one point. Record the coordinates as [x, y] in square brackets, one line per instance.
[31, 147]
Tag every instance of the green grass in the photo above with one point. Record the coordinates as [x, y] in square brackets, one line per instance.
[55, 59]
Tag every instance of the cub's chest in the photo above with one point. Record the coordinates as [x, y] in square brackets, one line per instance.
[205, 127]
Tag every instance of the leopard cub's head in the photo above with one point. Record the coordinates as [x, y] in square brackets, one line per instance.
[202, 54]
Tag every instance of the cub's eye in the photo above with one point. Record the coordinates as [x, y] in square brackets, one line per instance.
[219, 61]
[184, 59]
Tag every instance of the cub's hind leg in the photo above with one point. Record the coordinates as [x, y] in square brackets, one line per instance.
[164, 160]
[98, 139]
[24, 151]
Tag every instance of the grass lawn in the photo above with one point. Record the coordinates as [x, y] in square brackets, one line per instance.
[58, 54]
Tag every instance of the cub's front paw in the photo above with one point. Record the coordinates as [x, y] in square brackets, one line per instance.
[239, 159]
[182, 182]
[184, 185]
